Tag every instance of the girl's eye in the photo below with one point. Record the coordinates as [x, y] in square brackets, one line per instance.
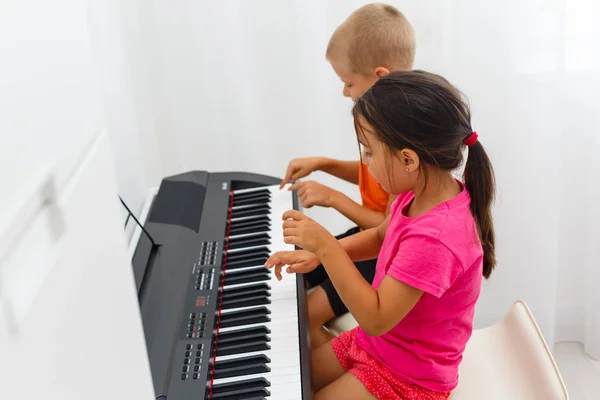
[368, 154]
[348, 85]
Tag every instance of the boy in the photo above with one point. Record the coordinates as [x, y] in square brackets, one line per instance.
[375, 40]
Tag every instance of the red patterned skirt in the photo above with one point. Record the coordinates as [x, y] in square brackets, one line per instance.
[378, 380]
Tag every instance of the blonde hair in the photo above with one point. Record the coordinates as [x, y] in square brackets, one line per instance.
[375, 35]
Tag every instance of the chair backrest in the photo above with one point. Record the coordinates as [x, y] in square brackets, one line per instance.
[509, 360]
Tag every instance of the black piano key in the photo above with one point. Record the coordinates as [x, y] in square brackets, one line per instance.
[249, 242]
[242, 361]
[262, 329]
[245, 302]
[241, 348]
[246, 292]
[240, 254]
[250, 262]
[238, 239]
[248, 369]
[256, 315]
[240, 337]
[251, 221]
[241, 196]
[264, 199]
[250, 229]
[234, 291]
[239, 390]
[250, 211]
[258, 274]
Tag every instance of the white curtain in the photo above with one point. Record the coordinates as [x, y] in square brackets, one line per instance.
[243, 85]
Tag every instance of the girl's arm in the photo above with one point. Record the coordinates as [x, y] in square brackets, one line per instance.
[376, 311]
[361, 246]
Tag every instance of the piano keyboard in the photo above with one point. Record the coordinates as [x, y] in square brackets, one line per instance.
[256, 349]
[242, 334]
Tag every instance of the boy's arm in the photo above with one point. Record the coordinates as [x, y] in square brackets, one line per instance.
[301, 167]
[362, 216]
[346, 170]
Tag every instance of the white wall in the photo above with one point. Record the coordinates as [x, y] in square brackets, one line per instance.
[68, 308]
[244, 85]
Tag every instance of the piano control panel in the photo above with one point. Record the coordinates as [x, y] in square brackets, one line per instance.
[240, 333]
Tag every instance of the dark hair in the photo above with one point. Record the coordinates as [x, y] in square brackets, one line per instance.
[423, 112]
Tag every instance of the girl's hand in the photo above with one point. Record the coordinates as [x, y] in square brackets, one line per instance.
[301, 231]
[312, 193]
[301, 167]
[299, 261]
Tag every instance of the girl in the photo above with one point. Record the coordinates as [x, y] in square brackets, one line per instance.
[416, 318]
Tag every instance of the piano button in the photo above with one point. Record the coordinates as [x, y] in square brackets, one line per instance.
[188, 353]
[199, 353]
[186, 361]
[188, 347]
[241, 348]
[196, 368]
[185, 368]
[197, 361]
[183, 376]
[245, 302]
[195, 375]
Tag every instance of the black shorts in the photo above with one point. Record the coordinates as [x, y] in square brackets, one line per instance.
[319, 277]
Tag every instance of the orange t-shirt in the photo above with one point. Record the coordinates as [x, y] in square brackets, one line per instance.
[372, 194]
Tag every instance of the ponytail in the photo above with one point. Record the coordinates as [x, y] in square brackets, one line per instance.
[479, 180]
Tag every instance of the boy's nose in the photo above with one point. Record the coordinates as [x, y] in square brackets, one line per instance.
[346, 92]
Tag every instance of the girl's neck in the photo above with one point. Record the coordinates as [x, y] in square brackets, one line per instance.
[441, 187]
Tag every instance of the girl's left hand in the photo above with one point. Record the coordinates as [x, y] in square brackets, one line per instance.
[301, 231]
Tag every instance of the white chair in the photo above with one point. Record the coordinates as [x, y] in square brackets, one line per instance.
[509, 360]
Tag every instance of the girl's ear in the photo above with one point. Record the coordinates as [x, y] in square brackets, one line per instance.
[410, 159]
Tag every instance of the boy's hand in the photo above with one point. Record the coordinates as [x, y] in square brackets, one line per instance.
[312, 193]
[299, 261]
[301, 231]
[301, 167]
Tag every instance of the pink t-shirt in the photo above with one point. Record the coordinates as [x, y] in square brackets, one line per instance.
[439, 253]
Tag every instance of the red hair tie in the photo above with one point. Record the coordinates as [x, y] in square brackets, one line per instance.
[471, 140]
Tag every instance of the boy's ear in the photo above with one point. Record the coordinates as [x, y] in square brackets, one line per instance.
[380, 72]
